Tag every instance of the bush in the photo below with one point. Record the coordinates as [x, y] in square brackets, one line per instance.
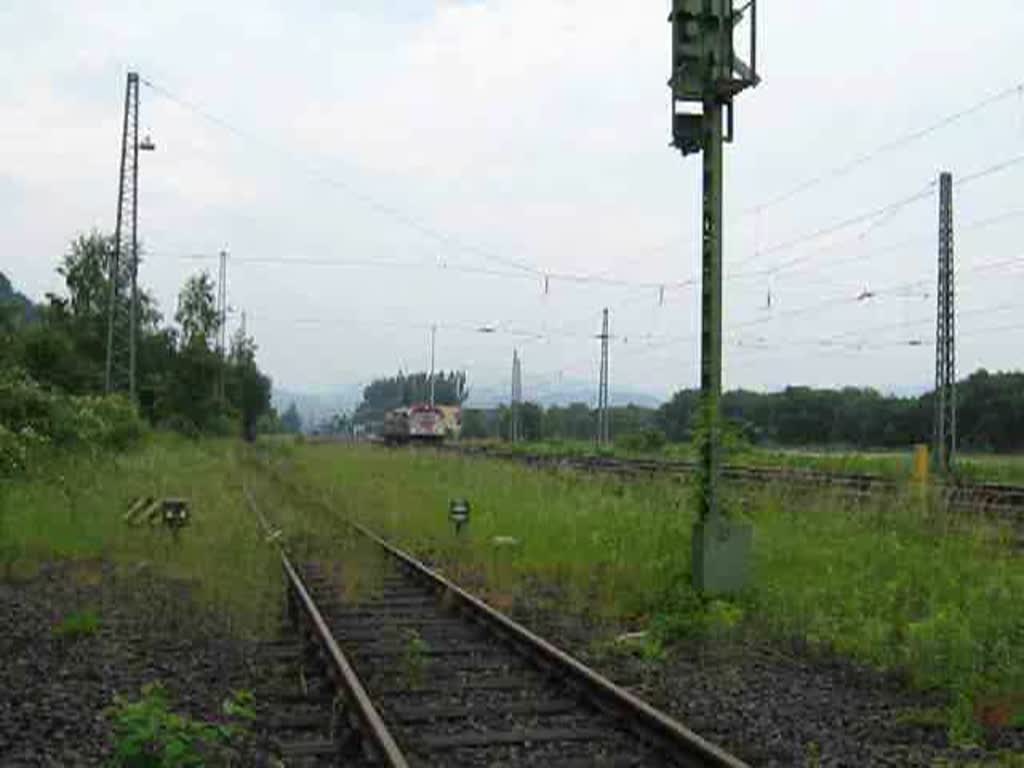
[647, 441]
[32, 416]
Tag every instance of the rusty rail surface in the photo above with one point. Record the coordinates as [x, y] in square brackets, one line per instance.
[380, 742]
[680, 745]
[646, 721]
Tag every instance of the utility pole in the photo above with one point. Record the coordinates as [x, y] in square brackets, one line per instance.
[122, 311]
[706, 73]
[944, 437]
[222, 315]
[516, 400]
[433, 343]
[602, 387]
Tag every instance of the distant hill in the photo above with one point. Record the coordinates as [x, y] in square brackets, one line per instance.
[25, 310]
[561, 394]
[316, 407]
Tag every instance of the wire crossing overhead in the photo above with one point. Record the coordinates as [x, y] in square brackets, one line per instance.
[123, 263]
[899, 142]
[945, 335]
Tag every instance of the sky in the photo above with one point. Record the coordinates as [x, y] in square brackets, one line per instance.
[500, 169]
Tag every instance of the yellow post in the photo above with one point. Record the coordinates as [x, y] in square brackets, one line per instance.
[921, 468]
[921, 464]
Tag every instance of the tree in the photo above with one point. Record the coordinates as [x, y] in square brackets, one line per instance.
[247, 388]
[474, 424]
[291, 422]
[197, 312]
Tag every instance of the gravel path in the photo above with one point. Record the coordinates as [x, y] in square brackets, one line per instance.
[53, 690]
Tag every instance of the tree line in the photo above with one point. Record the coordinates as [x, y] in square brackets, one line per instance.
[990, 417]
[60, 345]
[388, 392]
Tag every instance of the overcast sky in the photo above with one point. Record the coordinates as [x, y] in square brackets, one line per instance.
[445, 156]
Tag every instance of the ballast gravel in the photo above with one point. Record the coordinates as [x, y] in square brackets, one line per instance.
[54, 690]
[776, 706]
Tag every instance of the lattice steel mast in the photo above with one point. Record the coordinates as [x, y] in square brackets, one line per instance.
[602, 387]
[123, 262]
[515, 415]
[944, 437]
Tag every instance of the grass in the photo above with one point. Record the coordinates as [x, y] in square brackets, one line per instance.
[72, 506]
[895, 464]
[892, 584]
[77, 625]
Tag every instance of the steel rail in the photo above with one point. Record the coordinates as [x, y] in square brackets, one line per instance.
[965, 495]
[372, 725]
[667, 733]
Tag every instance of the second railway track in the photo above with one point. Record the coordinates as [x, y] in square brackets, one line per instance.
[996, 499]
[431, 676]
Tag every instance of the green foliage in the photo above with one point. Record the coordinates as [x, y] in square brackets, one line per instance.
[63, 350]
[990, 415]
[149, 735]
[291, 421]
[883, 582]
[414, 657]
[77, 625]
[384, 394]
[197, 312]
[647, 441]
[32, 417]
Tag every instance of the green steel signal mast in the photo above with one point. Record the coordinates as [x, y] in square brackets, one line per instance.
[706, 77]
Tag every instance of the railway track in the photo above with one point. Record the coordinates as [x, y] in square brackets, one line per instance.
[995, 499]
[421, 673]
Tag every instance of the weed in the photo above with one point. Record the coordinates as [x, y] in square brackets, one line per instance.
[77, 625]
[414, 657]
[149, 735]
[871, 580]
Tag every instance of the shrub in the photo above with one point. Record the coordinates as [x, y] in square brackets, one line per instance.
[76, 625]
[149, 735]
[33, 416]
[647, 441]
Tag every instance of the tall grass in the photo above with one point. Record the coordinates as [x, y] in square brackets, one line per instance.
[73, 507]
[891, 583]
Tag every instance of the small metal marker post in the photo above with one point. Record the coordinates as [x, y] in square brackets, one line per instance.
[458, 511]
[707, 74]
[175, 515]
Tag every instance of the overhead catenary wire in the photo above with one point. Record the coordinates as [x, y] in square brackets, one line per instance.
[396, 214]
[891, 145]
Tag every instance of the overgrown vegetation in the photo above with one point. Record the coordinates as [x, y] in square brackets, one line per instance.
[72, 505]
[148, 734]
[861, 580]
[60, 348]
[77, 625]
[35, 420]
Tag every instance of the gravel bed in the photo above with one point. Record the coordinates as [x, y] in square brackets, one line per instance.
[54, 690]
[775, 706]
[413, 676]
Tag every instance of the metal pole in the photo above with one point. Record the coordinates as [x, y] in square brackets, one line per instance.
[114, 261]
[602, 391]
[711, 311]
[222, 300]
[134, 306]
[944, 437]
[433, 340]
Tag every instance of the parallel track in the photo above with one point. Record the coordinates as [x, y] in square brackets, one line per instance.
[996, 499]
[431, 675]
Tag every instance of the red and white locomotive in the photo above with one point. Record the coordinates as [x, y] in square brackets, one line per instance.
[421, 422]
